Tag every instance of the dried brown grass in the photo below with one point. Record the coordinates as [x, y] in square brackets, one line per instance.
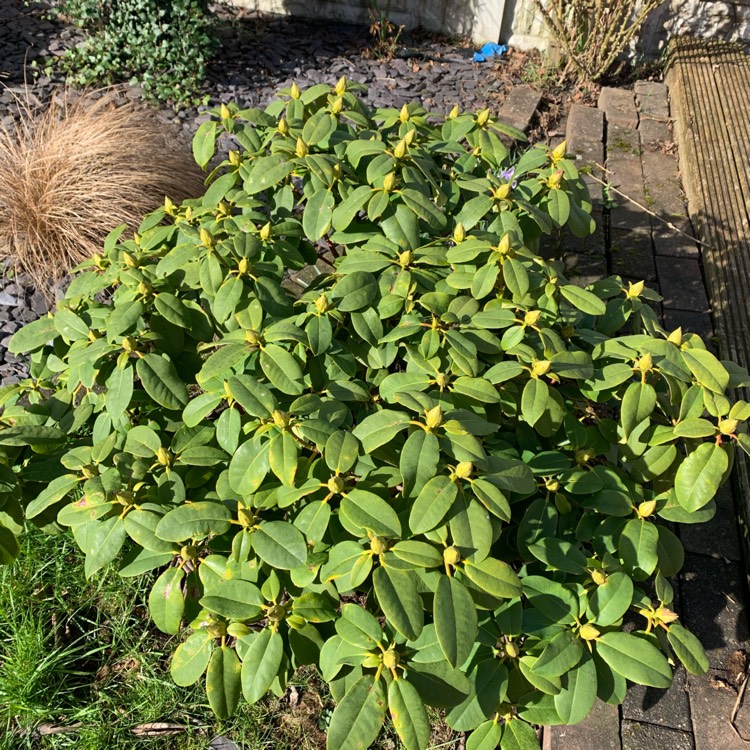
[75, 169]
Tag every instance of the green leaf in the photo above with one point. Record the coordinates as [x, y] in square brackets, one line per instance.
[341, 451]
[610, 600]
[33, 336]
[204, 143]
[637, 404]
[432, 504]
[142, 441]
[280, 544]
[9, 547]
[119, 391]
[495, 577]
[161, 381]
[518, 735]
[700, 475]
[409, 715]
[559, 656]
[636, 659]
[261, 664]
[380, 428]
[252, 395]
[223, 682]
[194, 521]
[706, 369]
[233, 598]
[455, 620]
[31, 435]
[357, 720]
[318, 214]
[578, 694]
[489, 682]
[638, 546]
[396, 592]
[369, 512]
[485, 737]
[534, 400]
[688, 649]
[556, 602]
[558, 207]
[282, 369]
[249, 467]
[583, 300]
[419, 461]
[190, 660]
[53, 493]
[283, 456]
[166, 602]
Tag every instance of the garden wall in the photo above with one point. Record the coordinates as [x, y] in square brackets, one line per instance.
[517, 21]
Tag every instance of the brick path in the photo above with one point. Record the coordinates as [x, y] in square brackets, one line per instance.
[630, 134]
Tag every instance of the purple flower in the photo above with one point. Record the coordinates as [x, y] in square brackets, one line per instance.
[507, 174]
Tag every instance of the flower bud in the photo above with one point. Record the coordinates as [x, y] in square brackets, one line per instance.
[410, 136]
[238, 629]
[252, 337]
[276, 613]
[434, 417]
[405, 258]
[728, 426]
[246, 517]
[129, 344]
[389, 182]
[280, 418]
[391, 659]
[454, 113]
[341, 86]
[588, 632]
[336, 485]
[441, 380]
[531, 318]
[243, 266]
[234, 158]
[666, 615]
[645, 363]
[321, 303]
[265, 231]
[163, 456]
[451, 556]
[337, 106]
[646, 508]
[512, 650]
[552, 484]
[404, 115]
[502, 192]
[459, 233]
[559, 151]
[542, 367]
[207, 239]
[399, 150]
[189, 552]
[295, 92]
[225, 113]
[599, 577]
[555, 179]
[635, 290]
[169, 208]
[144, 288]
[378, 545]
[217, 629]
[129, 260]
[89, 472]
[464, 469]
[483, 117]
[136, 238]
[301, 148]
[675, 337]
[503, 246]
[283, 126]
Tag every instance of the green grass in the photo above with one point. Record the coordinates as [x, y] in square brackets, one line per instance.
[83, 655]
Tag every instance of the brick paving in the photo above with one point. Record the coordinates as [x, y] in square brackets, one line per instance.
[630, 135]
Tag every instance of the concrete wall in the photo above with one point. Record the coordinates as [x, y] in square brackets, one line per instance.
[518, 23]
[480, 19]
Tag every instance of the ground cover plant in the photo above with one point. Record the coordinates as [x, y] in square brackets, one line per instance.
[162, 45]
[73, 169]
[438, 474]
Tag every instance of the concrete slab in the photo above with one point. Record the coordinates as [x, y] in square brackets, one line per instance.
[619, 106]
[600, 730]
[640, 736]
[669, 242]
[712, 709]
[667, 708]
[652, 98]
[519, 107]
[585, 125]
[632, 254]
[719, 537]
[682, 284]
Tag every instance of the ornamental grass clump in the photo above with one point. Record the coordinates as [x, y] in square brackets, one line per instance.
[73, 170]
[440, 475]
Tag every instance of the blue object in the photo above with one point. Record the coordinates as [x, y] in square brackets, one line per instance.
[490, 50]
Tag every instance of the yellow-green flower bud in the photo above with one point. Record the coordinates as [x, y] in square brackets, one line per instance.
[337, 106]
[399, 150]
[217, 629]
[459, 233]
[598, 576]
[675, 337]
[225, 113]
[301, 148]
[645, 363]
[646, 508]
[129, 260]
[503, 246]
[555, 180]
[276, 613]
[163, 456]
[144, 288]
[169, 208]
[246, 517]
[588, 632]
[389, 182]
[405, 258]
[454, 113]
[635, 290]
[283, 126]
[265, 231]
[189, 552]
[441, 380]
[321, 303]
[243, 266]
[378, 545]
[336, 485]
[252, 337]
[502, 192]
[434, 417]
[451, 556]
[531, 318]
[559, 152]
[541, 367]
[464, 469]
[341, 86]
[129, 344]
[404, 115]
[295, 92]
[391, 659]
[207, 239]
[483, 117]
[280, 418]
[728, 426]
[238, 629]
[512, 650]
[234, 158]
